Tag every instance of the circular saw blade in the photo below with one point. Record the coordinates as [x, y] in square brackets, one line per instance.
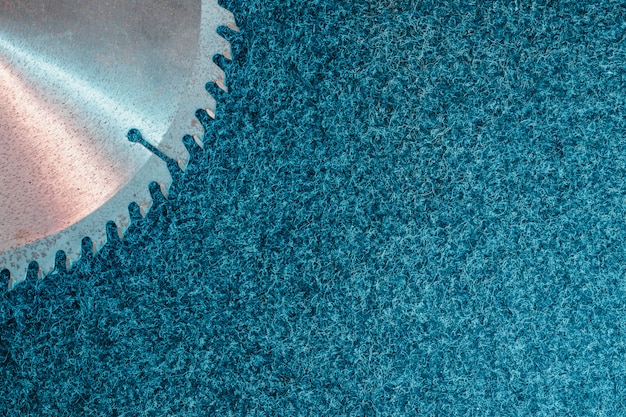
[75, 77]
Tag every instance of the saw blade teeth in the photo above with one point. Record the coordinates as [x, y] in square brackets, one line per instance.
[198, 98]
[58, 252]
[211, 44]
[94, 226]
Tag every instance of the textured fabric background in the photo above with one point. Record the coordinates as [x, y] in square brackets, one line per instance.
[406, 208]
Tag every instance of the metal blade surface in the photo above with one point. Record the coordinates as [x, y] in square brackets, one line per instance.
[75, 77]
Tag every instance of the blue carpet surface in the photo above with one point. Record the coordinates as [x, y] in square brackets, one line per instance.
[405, 208]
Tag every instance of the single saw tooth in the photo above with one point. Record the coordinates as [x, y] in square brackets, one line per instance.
[75, 78]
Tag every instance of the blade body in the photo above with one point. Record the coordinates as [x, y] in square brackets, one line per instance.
[75, 77]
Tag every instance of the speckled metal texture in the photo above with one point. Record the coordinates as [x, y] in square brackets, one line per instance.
[75, 77]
